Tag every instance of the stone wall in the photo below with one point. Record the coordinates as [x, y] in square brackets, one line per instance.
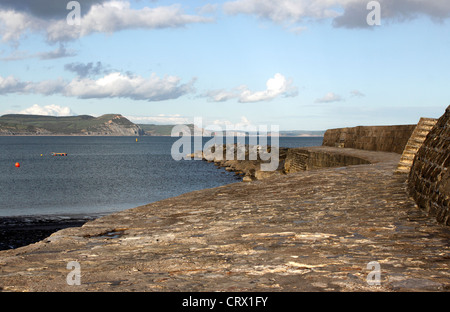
[372, 138]
[300, 159]
[429, 178]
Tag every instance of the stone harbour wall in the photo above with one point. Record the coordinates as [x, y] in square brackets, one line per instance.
[371, 138]
[429, 178]
[300, 159]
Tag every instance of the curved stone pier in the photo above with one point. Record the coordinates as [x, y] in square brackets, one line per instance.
[317, 230]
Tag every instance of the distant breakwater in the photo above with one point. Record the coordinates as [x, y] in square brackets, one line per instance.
[290, 160]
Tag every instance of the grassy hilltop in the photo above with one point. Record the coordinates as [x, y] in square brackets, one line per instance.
[109, 124]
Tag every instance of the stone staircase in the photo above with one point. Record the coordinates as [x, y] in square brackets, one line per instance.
[414, 143]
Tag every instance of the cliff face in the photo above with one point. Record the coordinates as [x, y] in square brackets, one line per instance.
[116, 125]
[429, 178]
[105, 125]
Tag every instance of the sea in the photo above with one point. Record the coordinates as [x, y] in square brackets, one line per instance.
[101, 175]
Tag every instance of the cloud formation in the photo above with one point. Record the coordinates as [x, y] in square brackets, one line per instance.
[357, 93]
[161, 119]
[48, 110]
[345, 13]
[85, 70]
[243, 125]
[59, 52]
[275, 87]
[133, 87]
[113, 85]
[96, 17]
[46, 9]
[329, 98]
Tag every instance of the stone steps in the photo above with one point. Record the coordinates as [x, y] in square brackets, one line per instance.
[416, 140]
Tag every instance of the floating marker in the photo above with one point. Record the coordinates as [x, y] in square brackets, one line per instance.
[17, 164]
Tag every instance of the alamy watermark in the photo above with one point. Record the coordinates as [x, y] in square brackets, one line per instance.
[214, 149]
[74, 276]
[374, 16]
[374, 276]
[74, 16]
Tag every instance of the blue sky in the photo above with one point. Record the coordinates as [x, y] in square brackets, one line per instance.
[299, 64]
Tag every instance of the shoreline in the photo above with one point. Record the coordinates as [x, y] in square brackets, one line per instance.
[20, 231]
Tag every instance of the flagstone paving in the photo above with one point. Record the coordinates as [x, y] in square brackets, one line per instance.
[350, 228]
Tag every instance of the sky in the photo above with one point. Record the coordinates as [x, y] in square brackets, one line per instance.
[297, 64]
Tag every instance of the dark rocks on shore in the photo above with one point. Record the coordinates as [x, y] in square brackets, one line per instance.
[249, 169]
[21, 231]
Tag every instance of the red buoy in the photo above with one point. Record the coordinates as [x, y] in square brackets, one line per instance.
[17, 164]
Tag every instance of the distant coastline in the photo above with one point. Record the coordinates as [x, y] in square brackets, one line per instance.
[105, 125]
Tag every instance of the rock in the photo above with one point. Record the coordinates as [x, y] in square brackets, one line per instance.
[261, 175]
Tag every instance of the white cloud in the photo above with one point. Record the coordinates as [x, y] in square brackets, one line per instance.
[160, 119]
[59, 52]
[14, 24]
[10, 85]
[48, 110]
[113, 85]
[357, 93]
[276, 86]
[220, 95]
[113, 16]
[243, 125]
[208, 8]
[135, 87]
[298, 30]
[107, 17]
[329, 98]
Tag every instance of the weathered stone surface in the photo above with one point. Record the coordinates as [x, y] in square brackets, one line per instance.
[414, 143]
[372, 138]
[429, 178]
[313, 230]
[307, 158]
[293, 160]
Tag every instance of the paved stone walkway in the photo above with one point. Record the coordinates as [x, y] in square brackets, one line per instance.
[310, 231]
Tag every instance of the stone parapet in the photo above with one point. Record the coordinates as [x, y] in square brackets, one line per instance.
[429, 178]
[307, 158]
[372, 138]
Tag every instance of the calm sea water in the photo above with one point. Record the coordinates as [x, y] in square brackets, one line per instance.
[100, 174]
